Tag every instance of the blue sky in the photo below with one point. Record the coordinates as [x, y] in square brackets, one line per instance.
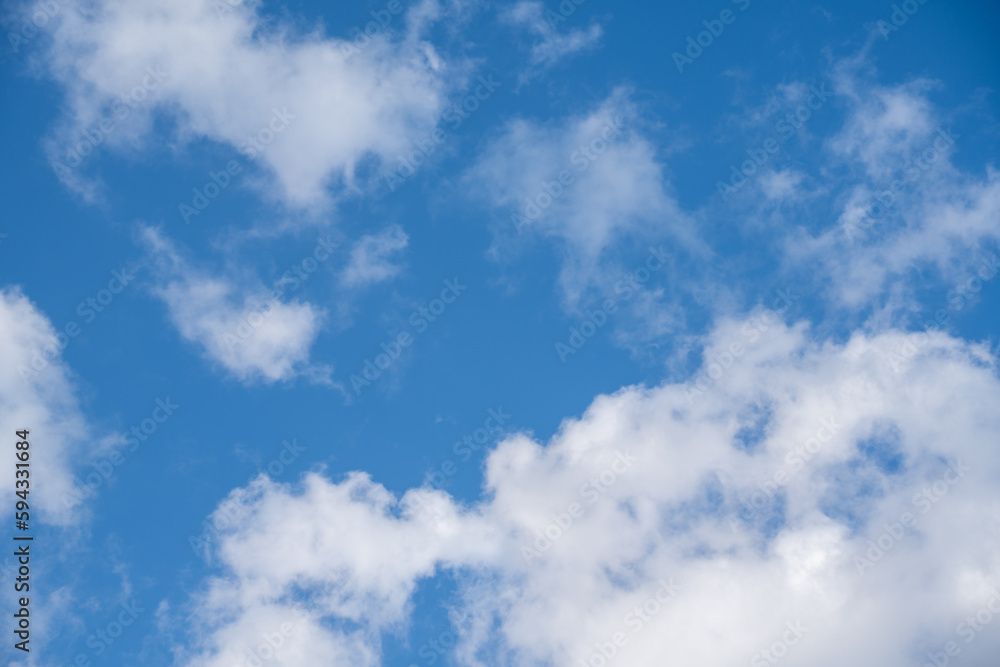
[557, 236]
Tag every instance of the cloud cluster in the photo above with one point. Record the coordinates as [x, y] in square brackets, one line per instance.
[820, 501]
[737, 501]
[911, 207]
[901, 206]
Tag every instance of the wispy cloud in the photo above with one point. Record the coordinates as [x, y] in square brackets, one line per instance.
[550, 45]
[246, 329]
[372, 257]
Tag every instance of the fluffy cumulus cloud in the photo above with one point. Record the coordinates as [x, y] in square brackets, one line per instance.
[586, 182]
[247, 329]
[37, 393]
[307, 108]
[819, 503]
[373, 257]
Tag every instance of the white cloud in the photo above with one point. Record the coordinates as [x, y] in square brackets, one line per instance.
[905, 206]
[550, 45]
[249, 331]
[900, 205]
[668, 471]
[372, 257]
[224, 76]
[37, 393]
[613, 186]
[781, 185]
[887, 124]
